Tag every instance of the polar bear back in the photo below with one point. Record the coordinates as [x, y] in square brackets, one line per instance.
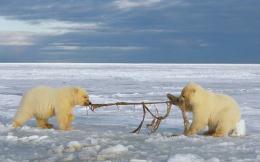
[40, 101]
[221, 102]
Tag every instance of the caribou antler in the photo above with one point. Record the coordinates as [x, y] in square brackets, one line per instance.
[154, 125]
[156, 121]
[175, 101]
[95, 106]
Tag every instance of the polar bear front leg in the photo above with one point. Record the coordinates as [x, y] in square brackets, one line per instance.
[64, 121]
[194, 128]
[43, 123]
[198, 122]
[71, 117]
[209, 132]
[49, 126]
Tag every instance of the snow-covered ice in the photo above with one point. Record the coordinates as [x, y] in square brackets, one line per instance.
[104, 135]
[190, 158]
[240, 129]
[112, 152]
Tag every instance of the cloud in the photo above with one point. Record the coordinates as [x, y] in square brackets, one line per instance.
[16, 39]
[136, 29]
[128, 4]
[117, 48]
[51, 27]
[27, 33]
[73, 11]
[74, 47]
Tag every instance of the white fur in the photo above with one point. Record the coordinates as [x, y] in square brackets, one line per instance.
[219, 112]
[44, 102]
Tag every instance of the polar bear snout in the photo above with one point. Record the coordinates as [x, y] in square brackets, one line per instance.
[84, 101]
[181, 101]
[184, 103]
[87, 103]
[81, 97]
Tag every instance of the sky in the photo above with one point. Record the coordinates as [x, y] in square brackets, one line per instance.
[130, 31]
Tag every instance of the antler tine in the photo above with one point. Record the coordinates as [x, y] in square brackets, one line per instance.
[157, 118]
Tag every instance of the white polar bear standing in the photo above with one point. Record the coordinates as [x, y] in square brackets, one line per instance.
[43, 102]
[219, 112]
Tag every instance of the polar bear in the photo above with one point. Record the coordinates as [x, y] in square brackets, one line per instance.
[43, 102]
[219, 112]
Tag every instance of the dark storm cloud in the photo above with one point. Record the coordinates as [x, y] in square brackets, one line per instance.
[79, 10]
[138, 31]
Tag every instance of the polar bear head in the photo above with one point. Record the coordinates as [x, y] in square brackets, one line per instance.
[81, 96]
[190, 96]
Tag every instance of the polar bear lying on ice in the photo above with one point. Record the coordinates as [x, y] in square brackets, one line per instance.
[44, 102]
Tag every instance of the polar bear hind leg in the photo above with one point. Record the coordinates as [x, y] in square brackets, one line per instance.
[226, 122]
[21, 117]
[223, 129]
